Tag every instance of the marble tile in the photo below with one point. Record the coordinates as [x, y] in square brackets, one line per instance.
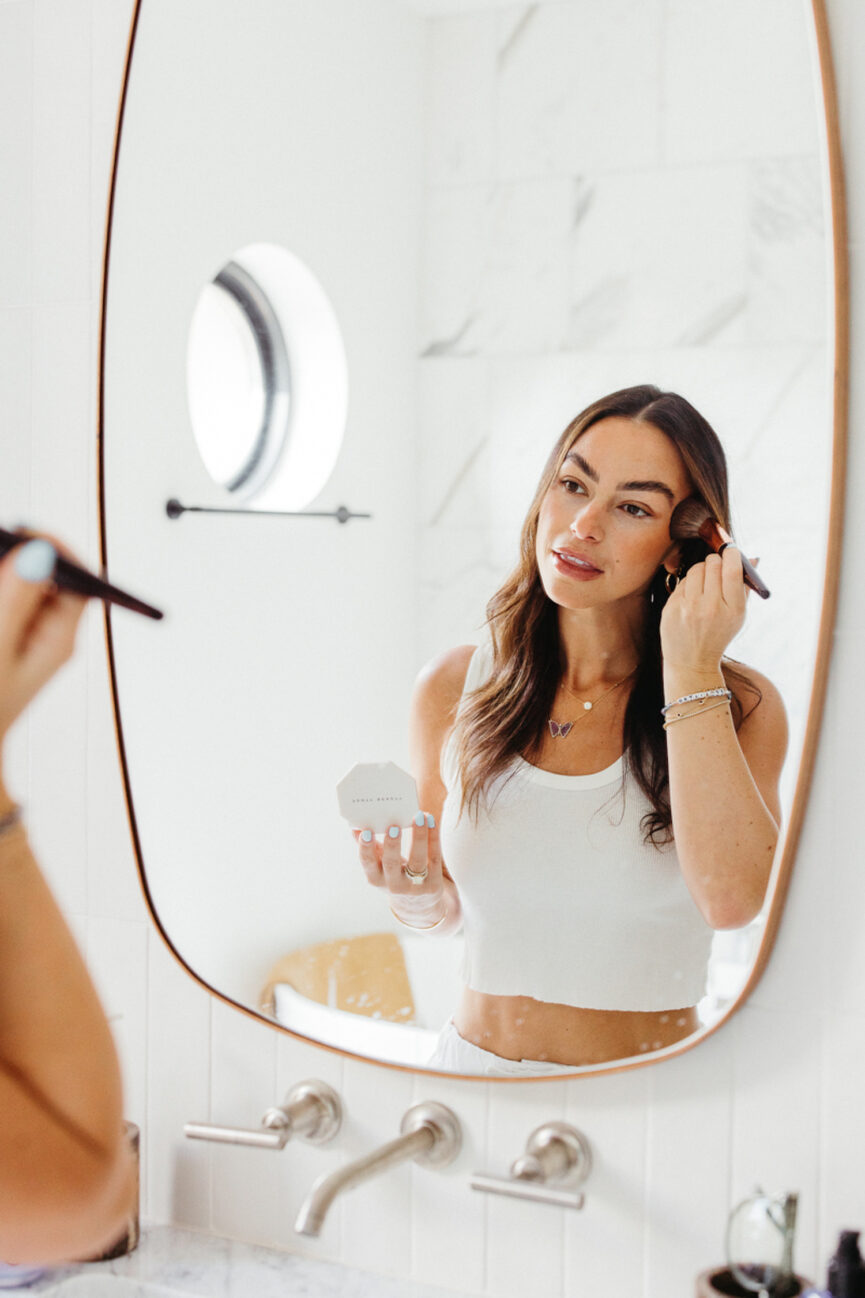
[493, 267]
[788, 292]
[61, 150]
[173, 1261]
[460, 83]
[716, 60]
[557, 113]
[661, 284]
[16, 123]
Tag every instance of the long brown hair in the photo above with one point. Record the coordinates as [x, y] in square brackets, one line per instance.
[506, 716]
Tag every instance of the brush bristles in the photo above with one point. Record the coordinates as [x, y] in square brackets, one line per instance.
[689, 519]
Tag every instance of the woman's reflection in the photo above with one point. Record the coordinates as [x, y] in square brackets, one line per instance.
[588, 842]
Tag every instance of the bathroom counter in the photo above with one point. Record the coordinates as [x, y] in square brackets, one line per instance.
[170, 1262]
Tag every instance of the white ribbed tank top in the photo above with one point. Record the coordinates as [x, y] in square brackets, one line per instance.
[561, 898]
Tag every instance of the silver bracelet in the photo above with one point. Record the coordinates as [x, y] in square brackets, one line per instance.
[10, 820]
[701, 694]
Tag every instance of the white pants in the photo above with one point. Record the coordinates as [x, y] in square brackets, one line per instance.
[454, 1054]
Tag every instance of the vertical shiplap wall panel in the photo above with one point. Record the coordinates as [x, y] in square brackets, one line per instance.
[178, 1037]
[443, 1206]
[243, 1083]
[605, 1243]
[61, 150]
[688, 1164]
[16, 154]
[376, 1220]
[525, 1241]
[302, 1163]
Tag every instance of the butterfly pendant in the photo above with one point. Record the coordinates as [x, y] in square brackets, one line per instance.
[559, 729]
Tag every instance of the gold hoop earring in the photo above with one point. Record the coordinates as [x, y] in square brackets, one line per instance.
[672, 579]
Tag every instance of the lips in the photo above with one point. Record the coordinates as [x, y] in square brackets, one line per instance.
[577, 563]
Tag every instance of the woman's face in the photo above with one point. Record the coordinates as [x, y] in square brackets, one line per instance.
[604, 524]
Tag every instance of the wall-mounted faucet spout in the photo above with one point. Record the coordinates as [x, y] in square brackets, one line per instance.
[431, 1136]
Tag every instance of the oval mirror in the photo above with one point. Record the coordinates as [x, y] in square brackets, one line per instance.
[508, 211]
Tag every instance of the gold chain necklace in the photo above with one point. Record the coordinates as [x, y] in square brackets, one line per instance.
[561, 729]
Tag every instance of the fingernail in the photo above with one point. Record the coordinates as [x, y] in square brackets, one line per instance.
[431, 822]
[367, 835]
[393, 832]
[420, 820]
[35, 561]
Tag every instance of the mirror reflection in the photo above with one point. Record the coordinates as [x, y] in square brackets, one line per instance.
[510, 251]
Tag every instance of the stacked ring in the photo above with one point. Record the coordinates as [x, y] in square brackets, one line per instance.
[416, 877]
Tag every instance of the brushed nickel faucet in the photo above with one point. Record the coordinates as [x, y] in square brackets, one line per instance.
[311, 1110]
[557, 1160]
[431, 1135]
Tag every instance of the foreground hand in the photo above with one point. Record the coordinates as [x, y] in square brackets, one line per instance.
[419, 900]
[38, 624]
[704, 612]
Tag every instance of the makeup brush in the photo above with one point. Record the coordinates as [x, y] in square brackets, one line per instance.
[692, 518]
[70, 576]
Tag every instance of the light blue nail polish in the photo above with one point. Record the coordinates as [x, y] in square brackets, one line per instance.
[35, 561]
[431, 822]
[393, 832]
[367, 835]
[420, 820]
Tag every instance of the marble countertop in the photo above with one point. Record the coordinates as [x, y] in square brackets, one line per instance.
[172, 1262]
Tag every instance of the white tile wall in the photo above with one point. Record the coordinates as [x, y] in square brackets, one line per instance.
[774, 1097]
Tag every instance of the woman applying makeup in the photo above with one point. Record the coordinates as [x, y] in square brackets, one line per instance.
[66, 1180]
[589, 842]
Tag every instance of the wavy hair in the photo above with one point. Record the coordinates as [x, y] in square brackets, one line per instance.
[506, 716]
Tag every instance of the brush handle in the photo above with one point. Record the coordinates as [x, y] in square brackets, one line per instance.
[70, 576]
[750, 575]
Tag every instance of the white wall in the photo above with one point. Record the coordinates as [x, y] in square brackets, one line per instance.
[775, 1097]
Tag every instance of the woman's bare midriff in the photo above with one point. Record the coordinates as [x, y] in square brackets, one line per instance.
[518, 1027]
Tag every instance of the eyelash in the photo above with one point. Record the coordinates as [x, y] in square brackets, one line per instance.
[567, 483]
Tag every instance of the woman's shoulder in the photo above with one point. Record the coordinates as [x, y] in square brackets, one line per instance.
[440, 683]
[759, 699]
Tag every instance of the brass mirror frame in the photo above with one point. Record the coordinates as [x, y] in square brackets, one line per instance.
[840, 398]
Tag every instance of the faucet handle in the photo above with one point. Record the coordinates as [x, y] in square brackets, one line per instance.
[555, 1152]
[311, 1110]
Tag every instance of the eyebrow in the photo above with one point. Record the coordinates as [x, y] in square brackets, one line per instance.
[648, 485]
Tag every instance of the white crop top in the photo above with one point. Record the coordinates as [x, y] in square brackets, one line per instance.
[561, 898]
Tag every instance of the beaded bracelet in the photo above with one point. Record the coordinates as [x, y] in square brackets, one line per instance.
[419, 928]
[701, 694]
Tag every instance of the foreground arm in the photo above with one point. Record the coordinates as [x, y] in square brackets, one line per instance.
[65, 1179]
[723, 784]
